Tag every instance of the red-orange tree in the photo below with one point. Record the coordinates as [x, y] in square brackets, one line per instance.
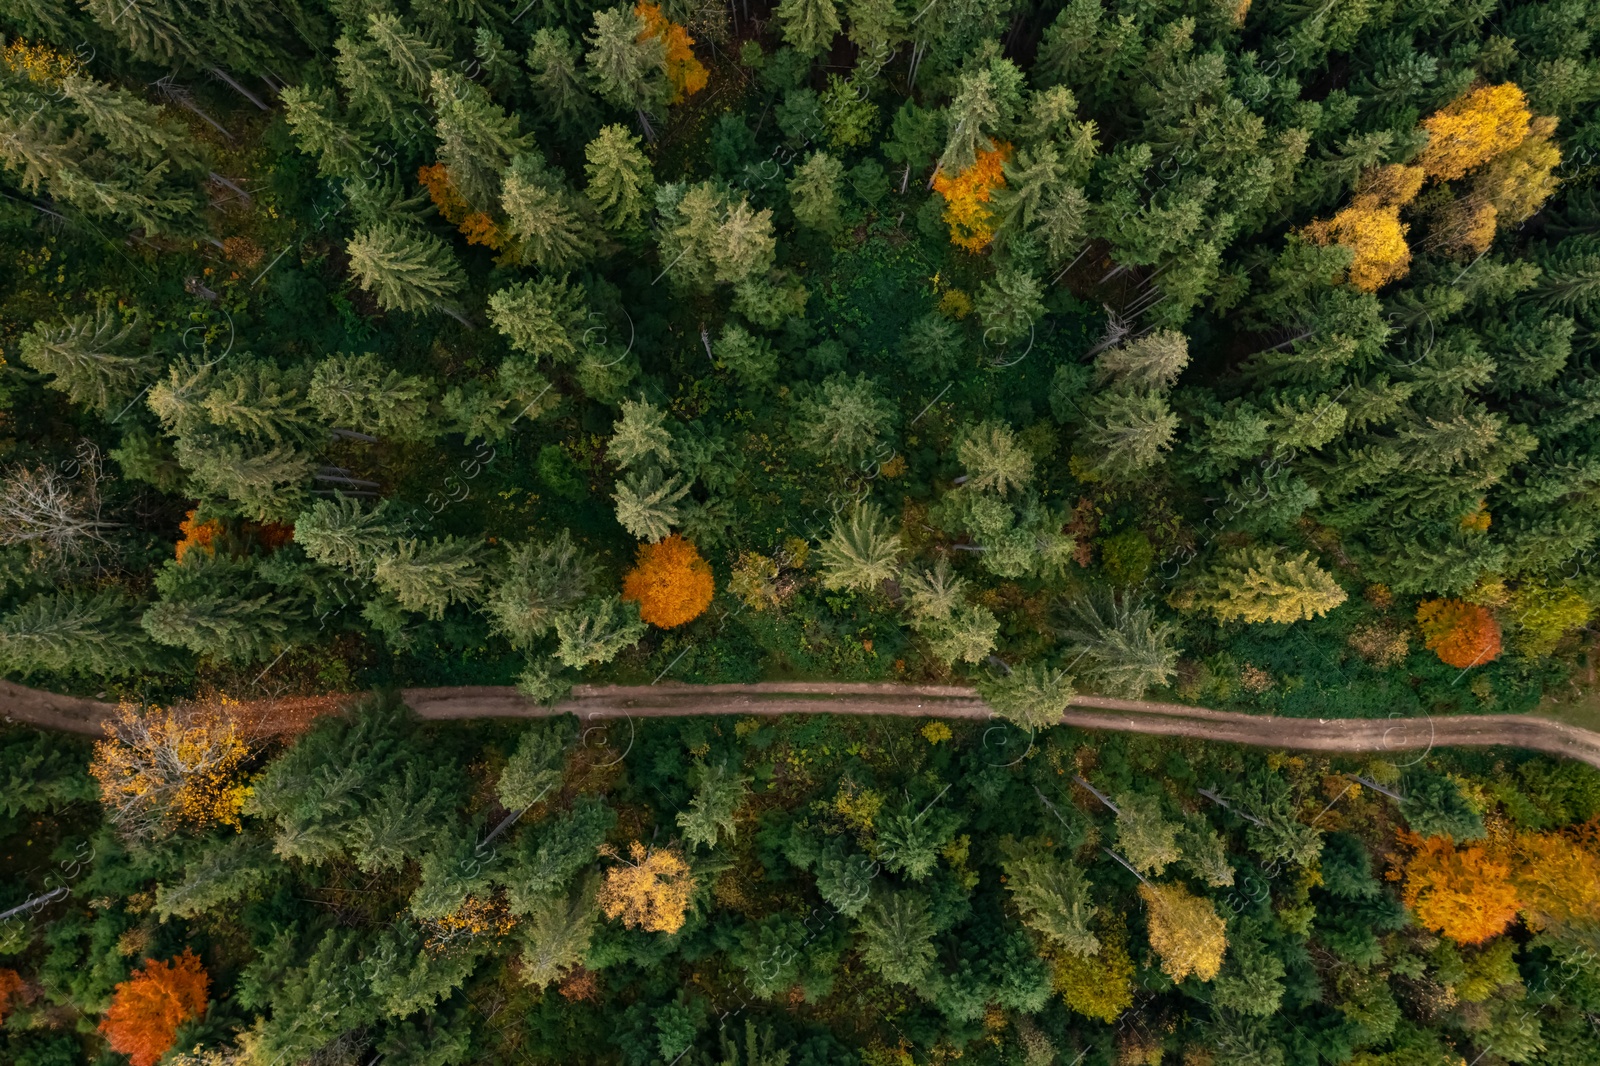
[1463, 892]
[670, 581]
[686, 73]
[1461, 634]
[148, 1007]
[10, 984]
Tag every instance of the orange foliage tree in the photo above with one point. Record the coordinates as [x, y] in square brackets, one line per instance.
[966, 195]
[1473, 129]
[478, 227]
[648, 890]
[146, 1009]
[10, 984]
[180, 766]
[1557, 877]
[670, 581]
[202, 535]
[686, 73]
[1463, 892]
[1461, 634]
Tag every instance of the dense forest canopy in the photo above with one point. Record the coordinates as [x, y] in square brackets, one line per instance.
[1240, 353]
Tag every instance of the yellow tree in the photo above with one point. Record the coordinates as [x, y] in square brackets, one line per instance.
[1473, 129]
[1185, 931]
[1463, 892]
[179, 766]
[648, 890]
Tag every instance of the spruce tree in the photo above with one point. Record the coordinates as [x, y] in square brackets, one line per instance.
[538, 581]
[477, 139]
[339, 147]
[808, 25]
[341, 532]
[639, 434]
[597, 630]
[74, 632]
[406, 269]
[428, 577]
[1053, 897]
[719, 793]
[98, 360]
[994, 460]
[544, 318]
[861, 551]
[647, 503]
[843, 419]
[628, 67]
[553, 60]
[1127, 431]
[897, 937]
[1268, 584]
[814, 193]
[358, 392]
[1033, 696]
[544, 215]
[620, 186]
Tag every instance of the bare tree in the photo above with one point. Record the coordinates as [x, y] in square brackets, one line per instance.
[55, 509]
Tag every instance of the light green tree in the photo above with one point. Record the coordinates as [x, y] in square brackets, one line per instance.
[477, 138]
[815, 193]
[842, 419]
[621, 185]
[808, 25]
[542, 318]
[554, 60]
[543, 215]
[628, 68]
[1120, 648]
[640, 434]
[1127, 432]
[1052, 895]
[1268, 584]
[596, 630]
[429, 576]
[340, 532]
[339, 146]
[1146, 837]
[719, 793]
[750, 357]
[1032, 695]
[647, 503]
[556, 931]
[97, 360]
[897, 937]
[1009, 304]
[861, 551]
[539, 580]
[994, 460]
[406, 269]
[94, 634]
[358, 392]
[1153, 361]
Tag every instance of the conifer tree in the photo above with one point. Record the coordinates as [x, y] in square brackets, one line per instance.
[73, 632]
[972, 116]
[216, 607]
[597, 630]
[1268, 584]
[1153, 361]
[1032, 695]
[556, 933]
[130, 127]
[814, 193]
[341, 532]
[808, 25]
[412, 56]
[553, 60]
[339, 147]
[897, 937]
[1147, 839]
[540, 580]
[843, 419]
[406, 269]
[719, 793]
[1053, 896]
[993, 459]
[620, 186]
[357, 392]
[97, 360]
[627, 64]
[1120, 648]
[543, 215]
[428, 577]
[477, 139]
[1128, 431]
[861, 551]
[647, 503]
[640, 433]
[1009, 304]
[543, 318]
[751, 358]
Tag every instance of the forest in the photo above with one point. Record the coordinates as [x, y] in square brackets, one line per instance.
[1239, 356]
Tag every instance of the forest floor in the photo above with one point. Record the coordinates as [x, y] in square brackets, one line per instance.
[1552, 735]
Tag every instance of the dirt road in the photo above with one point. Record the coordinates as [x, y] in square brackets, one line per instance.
[602, 702]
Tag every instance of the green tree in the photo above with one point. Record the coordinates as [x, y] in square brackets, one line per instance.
[1031, 695]
[98, 360]
[339, 146]
[538, 581]
[628, 67]
[341, 532]
[971, 118]
[1120, 648]
[814, 193]
[544, 216]
[808, 25]
[541, 318]
[861, 551]
[750, 357]
[596, 630]
[1009, 304]
[640, 434]
[534, 770]
[994, 460]
[1052, 895]
[406, 269]
[1268, 584]
[74, 632]
[1127, 431]
[429, 576]
[647, 503]
[897, 937]
[553, 59]
[556, 932]
[1147, 838]
[843, 419]
[1152, 361]
[358, 392]
[719, 793]
[909, 844]
[216, 606]
[477, 138]
[621, 185]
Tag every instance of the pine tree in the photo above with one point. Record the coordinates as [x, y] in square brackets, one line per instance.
[842, 420]
[339, 147]
[406, 269]
[554, 59]
[477, 139]
[541, 318]
[556, 933]
[621, 186]
[647, 503]
[1120, 648]
[216, 607]
[750, 357]
[544, 215]
[972, 115]
[627, 65]
[993, 459]
[97, 360]
[861, 552]
[968, 635]
[897, 937]
[596, 631]
[1267, 584]
[1128, 431]
[814, 193]
[340, 532]
[428, 577]
[130, 127]
[1053, 897]
[1031, 695]
[808, 25]
[74, 632]
[719, 793]
[743, 245]
[640, 433]
[358, 392]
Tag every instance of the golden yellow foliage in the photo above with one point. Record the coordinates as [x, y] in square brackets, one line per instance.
[1185, 931]
[649, 890]
[1518, 182]
[1377, 237]
[1101, 985]
[39, 62]
[1473, 129]
[1394, 185]
[1557, 878]
[966, 195]
[165, 768]
[936, 732]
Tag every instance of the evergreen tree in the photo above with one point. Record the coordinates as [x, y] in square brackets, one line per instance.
[74, 632]
[861, 551]
[1031, 695]
[994, 460]
[1009, 304]
[129, 127]
[534, 770]
[751, 358]
[477, 139]
[411, 56]
[215, 606]
[719, 793]
[1127, 432]
[647, 503]
[428, 577]
[1267, 584]
[621, 186]
[597, 630]
[405, 269]
[808, 25]
[628, 65]
[897, 937]
[1146, 837]
[357, 392]
[1153, 361]
[972, 115]
[639, 434]
[339, 147]
[544, 215]
[97, 360]
[842, 420]
[814, 193]
[540, 581]
[556, 933]
[553, 59]
[1120, 648]
[340, 532]
[541, 318]
[1053, 896]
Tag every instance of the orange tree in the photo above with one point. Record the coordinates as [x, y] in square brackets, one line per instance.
[1465, 893]
[686, 73]
[146, 1009]
[1461, 634]
[1557, 877]
[967, 194]
[670, 582]
[10, 984]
